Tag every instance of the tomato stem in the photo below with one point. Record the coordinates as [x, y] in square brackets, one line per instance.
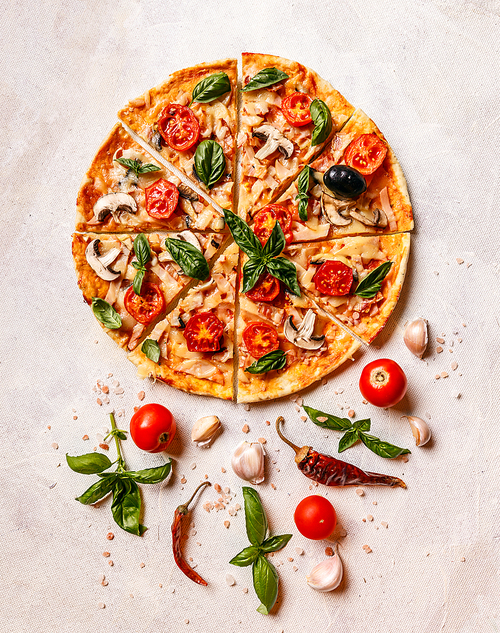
[121, 462]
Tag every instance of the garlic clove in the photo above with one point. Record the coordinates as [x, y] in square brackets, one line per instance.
[247, 462]
[205, 430]
[420, 429]
[327, 575]
[416, 337]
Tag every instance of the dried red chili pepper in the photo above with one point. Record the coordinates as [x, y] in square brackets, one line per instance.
[181, 512]
[329, 471]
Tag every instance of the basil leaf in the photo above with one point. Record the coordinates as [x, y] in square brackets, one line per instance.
[151, 349]
[284, 270]
[275, 543]
[142, 249]
[106, 314]
[265, 582]
[189, 258]
[372, 283]
[210, 88]
[245, 557]
[268, 362]
[88, 464]
[362, 425]
[243, 235]
[275, 243]
[322, 120]
[252, 270]
[265, 77]
[150, 475]
[138, 279]
[120, 435]
[98, 490]
[148, 167]
[137, 166]
[379, 447]
[126, 507]
[331, 422]
[303, 195]
[348, 439]
[209, 162]
[255, 517]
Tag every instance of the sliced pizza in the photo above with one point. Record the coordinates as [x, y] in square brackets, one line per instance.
[288, 115]
[193, 346]
[357, 280]
[130, 280]
[190, 119]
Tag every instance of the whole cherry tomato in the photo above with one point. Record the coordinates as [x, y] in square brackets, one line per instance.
[146, 306]
[383, 383]
[162, 198]
[333, 278]
[366, 153]
[315, 517]
[179, 127]
[296, 110]
[152, 428]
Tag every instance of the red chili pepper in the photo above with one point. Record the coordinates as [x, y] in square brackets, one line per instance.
[329, 471]
[181, 512]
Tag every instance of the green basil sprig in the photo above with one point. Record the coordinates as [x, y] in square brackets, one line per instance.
[209, 162]
[126, 506]
[142, 252]
[265, 77]
[265, 576]
[137, 166]
[189, 258]
[303, 195]
[322, 119]
[372, 283]
[268, 362]
[151, 349]
[106, 314]
[211, 88]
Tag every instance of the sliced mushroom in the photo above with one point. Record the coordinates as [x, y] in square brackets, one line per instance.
[114, 203]
[330, 207]
[187, 193]
[184, 236]
[370, 218]
[275, 140]
[101, 264]
[156, 140]
[302, 336]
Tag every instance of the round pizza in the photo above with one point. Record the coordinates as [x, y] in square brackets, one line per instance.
[242, 238]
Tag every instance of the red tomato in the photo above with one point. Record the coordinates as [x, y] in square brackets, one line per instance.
[161, 199]
[383, 383]
[146, 306]
[295, 109]
[267, 217]
[179, 127]
[333, 278]
[260, 338]
[366, 153]
[315, 517]
[152, 428]
[203, 332]
[266, 289]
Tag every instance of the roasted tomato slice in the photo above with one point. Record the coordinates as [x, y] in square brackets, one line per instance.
[295, 108]
[260, 338]
[333, 278]
[162, 198]
[179, 127]
[266, 219]
[146, 306]
[203, 332]
[366, 153]
[266, 289]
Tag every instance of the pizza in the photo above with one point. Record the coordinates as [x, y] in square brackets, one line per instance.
[247, 284]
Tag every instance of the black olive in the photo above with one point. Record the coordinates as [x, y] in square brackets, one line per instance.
[344, 181]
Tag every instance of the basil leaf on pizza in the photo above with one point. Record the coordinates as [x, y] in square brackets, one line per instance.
[151, 350]
[252, 270]
[372, 283]
[106, 314]
[284, 270]
[138, 279]
[265, 77]
[322, 120]
[268, 362]
[137, 166]
[189, 258]
[275, 243]
[142, 252]
[243, 235]
[209, 162]
[303, 195]
[211, 88]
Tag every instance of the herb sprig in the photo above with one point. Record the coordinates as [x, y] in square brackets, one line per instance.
[189, 258]
[142, 252]
[137, 166]
[303, 195]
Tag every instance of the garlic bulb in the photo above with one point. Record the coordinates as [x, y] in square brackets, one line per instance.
[420, 429]
[205, 430]
[248, 462]
[416, 338]
[327, 575]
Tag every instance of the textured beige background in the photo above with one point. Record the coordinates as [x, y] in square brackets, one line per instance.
[427, 72]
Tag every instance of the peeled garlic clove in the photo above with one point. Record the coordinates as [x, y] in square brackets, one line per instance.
[327, 575]
[416, 338]
[420, 429]
[248, 462]
[205, 430]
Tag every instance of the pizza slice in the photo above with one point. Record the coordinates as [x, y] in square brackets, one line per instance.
[288, 115]
[130, 280]
[193, 346]
[357, 280]
[190, 119]
[126, 189]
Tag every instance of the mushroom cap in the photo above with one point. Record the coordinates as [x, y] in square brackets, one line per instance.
[112, 203]
[94, 260]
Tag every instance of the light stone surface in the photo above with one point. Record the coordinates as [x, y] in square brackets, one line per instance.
[427, 72]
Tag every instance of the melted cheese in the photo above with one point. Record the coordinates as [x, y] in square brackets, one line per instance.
[367, 248]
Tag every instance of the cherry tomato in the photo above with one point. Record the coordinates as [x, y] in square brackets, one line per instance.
[266, 289]
[295, 109]
[366, 153]
[315, 517]
[333, 278]
[203, 332]
[146, 306]
[162, 198]
[383, 383]
[267, 217]
[179, 127]
[152, 428]
[260, 338]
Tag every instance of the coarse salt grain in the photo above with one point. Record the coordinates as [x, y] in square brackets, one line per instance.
[227, 524]
[439, 349]
[454, 365]
[193, 466]
[55, 445]
[85, 438]
[247, 407]
[142, 565]
[456, 394]
[105, 389]
[350, 413]
[104, 583]
[328, 551]
[105, 447]
[439, 340]
[119, 391]
[230, 581]
[99, 402]
[321, 418]
[268, 423]
[223, 470]
[444, 374]
[110, 536]
[245, 428]
[460, 260]
[183, 480]
[262, 440]
[217, 488]
[384, 524]
[299, 551]
[290, 559]
[360, 492]
[106, 554]
[141, 395]
[110, 563]
[370, 517]
[437, 376]
[367, 549]
[303, 418]
[374, 503]
[101, 605]
[274, 487]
